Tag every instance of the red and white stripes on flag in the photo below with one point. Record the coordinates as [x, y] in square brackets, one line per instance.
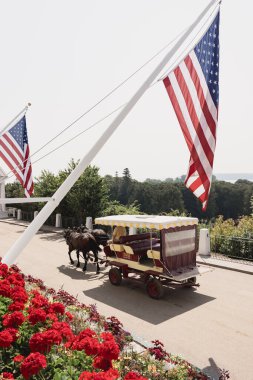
[14, 150]
[193, 89]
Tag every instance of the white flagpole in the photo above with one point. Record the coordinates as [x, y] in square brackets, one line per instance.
[43, 215]
[15, 118]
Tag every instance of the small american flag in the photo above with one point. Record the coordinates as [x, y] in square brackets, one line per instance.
[14, 150]
[193, 88]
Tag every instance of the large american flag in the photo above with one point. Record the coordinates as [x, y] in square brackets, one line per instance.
[14, 150]
[193, 88]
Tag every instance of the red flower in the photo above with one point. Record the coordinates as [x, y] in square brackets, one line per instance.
[5, 288]
[69, 316]
[134, 376]
[112, 374]
[37, 315]
[6, 375]
[19, 294]
[86, 333]
[107, 336]
[102, 363]
[5, 339]
[33, 364]
[18, 358]
[64, 329]
[86, 376]
[13, 320]
[39, 301]
[89, 345]
[52, 317]
[16, 306]
[43, 342]
[109, 350]
[57, 307]
[16, 279]
[3, 270]
[13, 332]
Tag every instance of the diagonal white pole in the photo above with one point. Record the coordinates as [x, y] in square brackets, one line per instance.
[28, 234]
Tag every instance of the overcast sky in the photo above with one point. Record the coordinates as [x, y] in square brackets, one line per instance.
[64, 56]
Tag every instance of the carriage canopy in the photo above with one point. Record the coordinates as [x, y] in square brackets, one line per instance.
[158, 222]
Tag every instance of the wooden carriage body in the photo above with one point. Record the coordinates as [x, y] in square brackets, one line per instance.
[167, 248]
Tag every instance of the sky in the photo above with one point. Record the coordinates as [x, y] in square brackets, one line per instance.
[64, 56]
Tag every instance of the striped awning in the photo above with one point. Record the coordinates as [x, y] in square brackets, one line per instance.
[158, 222]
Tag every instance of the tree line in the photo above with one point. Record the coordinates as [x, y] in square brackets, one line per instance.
[94, 195]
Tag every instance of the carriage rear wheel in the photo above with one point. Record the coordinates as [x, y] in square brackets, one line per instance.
[115, 276]
[154, 288]
[191, 281]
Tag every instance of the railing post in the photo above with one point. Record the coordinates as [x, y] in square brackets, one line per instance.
[19, 215]
[58, 221]
[204, 242]
[88, 222]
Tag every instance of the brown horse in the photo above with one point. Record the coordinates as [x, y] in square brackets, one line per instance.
[82, 242]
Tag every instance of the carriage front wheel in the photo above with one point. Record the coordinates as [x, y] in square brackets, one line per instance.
[115, 276]
[155, 288]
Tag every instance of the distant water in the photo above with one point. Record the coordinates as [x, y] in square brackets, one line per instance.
[233, 180]
[233, 177]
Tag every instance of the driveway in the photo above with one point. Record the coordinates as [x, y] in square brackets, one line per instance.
[210, 326]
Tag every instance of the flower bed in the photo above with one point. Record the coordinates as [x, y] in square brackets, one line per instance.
[49, 335]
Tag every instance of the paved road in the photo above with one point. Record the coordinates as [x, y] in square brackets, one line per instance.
[211, 326]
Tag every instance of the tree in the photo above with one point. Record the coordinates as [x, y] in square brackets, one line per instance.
[87, 197]
[14, 190]
[126, 187]
[113, 184]
[46, 184]
[115, 208]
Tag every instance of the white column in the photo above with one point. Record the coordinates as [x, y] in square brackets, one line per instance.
[204, 242]
[2, 189]
[35, 214]
[19, 216]
[2, 194]
[88, 222]
[58, 221]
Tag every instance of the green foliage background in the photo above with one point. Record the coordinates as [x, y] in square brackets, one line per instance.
[94, 195]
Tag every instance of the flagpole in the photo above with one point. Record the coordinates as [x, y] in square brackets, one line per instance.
[24, 110]
[43, 215]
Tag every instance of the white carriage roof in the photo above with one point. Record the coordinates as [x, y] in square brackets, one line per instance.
[158, 222]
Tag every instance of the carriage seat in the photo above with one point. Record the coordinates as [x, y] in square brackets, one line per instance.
[136, 237]
[140, 248]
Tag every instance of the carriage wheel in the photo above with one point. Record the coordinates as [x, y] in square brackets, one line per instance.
[155, 288]
[191, 281]
[115, 276]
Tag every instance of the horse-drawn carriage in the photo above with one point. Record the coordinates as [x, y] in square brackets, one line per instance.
[163, 254]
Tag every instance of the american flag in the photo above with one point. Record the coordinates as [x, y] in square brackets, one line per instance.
[14, 150]
[193, 88]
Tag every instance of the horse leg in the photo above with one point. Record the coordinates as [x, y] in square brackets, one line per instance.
[96, 261]
[71, 260]
[78, 257]
[85, 255]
